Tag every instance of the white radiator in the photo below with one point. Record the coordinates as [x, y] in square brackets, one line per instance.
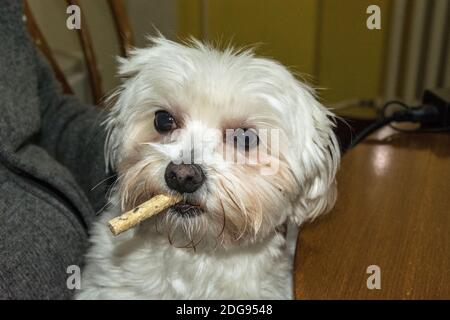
[418, 53]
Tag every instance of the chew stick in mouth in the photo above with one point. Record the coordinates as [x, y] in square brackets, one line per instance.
[142, 212]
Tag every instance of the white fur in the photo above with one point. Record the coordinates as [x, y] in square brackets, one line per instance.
[234, 248]
[145, 266]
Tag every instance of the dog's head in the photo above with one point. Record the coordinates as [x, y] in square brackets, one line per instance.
[247, 145]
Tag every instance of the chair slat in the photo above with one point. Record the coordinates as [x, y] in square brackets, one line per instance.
[89, 56]
[42, 44]
[122, 24]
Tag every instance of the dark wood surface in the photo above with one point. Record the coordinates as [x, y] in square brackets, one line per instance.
[393, 211]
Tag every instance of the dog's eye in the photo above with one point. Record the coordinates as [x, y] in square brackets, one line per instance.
[246, 138]
[164, 122]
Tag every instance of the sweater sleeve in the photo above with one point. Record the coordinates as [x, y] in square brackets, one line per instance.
[72, 133]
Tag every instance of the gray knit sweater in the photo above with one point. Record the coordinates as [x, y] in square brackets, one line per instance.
[51, 155]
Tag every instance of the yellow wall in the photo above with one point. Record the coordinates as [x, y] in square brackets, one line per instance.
[285, 29]
[189, 18]
[351, 57]
[327, 39]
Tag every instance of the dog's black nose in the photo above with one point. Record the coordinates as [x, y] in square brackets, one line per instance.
[184, 178]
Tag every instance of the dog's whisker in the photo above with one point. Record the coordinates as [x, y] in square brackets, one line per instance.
[103, 207]
[103, 181]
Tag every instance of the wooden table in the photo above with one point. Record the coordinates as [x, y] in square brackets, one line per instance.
[393, 211]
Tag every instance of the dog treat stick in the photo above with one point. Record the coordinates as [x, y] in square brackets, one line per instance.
[142, 212]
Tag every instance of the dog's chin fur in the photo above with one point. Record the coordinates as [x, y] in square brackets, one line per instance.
[232, 245]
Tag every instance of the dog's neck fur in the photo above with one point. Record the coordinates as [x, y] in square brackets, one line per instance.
[143, 264]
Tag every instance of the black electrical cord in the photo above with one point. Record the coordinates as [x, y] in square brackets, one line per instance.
[415, 130]
[368, 130]
[425, 115]
[385, 108]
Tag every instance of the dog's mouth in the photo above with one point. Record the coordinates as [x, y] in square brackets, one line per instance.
[186, 209]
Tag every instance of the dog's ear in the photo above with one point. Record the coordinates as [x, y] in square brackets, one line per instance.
[318, 198]
[128, 69]
[319, 157]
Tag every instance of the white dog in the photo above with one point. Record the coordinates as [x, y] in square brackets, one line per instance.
[182, 110]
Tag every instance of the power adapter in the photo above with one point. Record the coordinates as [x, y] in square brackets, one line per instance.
[440, 99]
[433, 115]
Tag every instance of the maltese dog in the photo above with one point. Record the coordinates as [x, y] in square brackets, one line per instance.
[247, 146]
